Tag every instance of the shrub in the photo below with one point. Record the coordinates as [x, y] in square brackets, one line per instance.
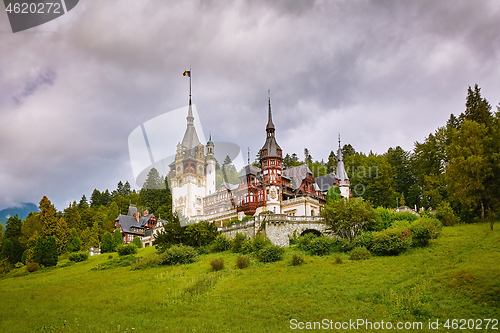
[19, 265]
[420, 233]
[217, 264]
[400, 224]
[145, 262]
[5, 266]
[407, 216]
[259, 242]
[360, 253]
[107, 244]
[45, 251]
[337, 258]
[178, 254]
[445, 214]
[365, 239]
[78, 256]
[320, 246]
[220, 244]
[304, 242]
[233, 221]
[124, 250]
[247, 247]
[137, 242]
[32, 267]
[433, 224]
[242, 262]
[342, 245]
[297, 259]
[383, 218]
[270, 253]
[391, 241]
[238, 241]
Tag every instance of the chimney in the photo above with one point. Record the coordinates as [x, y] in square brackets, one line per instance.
[145, 213]
[136, 215]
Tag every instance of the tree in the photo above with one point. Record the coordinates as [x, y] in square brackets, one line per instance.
[469, 167]
[229, 173]
[348, 217]
[200, 233]
[13, 228]
[332, 162]
[348, 150]
[401, 170]
[307, 156]
[155, 192]
[137, 242]
[90, 236]
[119, 188]
[48, 217]
[96, 199]
[126, 188]
[83, 204]
[333, 194]
[476, 108]
[74, 244]
[117, 238]
[45, 251]
[31, 225]
[72, 216]
[107, 244]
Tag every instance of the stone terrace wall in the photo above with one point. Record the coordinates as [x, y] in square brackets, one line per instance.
[276, 227]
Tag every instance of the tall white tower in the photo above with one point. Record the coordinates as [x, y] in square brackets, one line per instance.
[210, 169]
[342, 178]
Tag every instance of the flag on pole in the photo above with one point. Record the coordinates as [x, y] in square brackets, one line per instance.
[187, 73]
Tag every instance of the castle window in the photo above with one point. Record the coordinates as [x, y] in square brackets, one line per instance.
[199, 183]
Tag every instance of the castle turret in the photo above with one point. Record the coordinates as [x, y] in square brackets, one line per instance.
[210, 183]
[342, 178]
[271, 159]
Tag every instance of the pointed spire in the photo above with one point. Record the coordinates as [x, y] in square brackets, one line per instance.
[339, 153]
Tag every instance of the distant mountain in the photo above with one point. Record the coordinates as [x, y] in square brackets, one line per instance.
[22, 211]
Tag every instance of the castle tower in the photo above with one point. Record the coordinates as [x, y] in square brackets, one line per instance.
[188, 171]
[210, 179]
[271, 159]
[342, 178]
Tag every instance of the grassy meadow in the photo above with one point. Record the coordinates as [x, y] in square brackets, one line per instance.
[456, 277]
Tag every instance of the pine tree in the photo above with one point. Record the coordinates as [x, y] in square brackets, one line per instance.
[117, 238]
[476, 108]
[126, 188]
[63, 235]
[107, 243]
[74, 244]
[119, 188]
[72, 217]
[83, 204]
[45, 251]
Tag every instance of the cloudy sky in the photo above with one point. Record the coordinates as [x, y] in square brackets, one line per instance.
[382, 73]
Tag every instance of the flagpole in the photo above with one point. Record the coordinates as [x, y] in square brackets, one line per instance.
[190, 73]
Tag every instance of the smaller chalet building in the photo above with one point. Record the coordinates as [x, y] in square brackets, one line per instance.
[133, 225]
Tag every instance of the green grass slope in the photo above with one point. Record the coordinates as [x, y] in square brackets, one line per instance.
[456, 277]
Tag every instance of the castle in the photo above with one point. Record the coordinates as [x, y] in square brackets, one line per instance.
[292, 191]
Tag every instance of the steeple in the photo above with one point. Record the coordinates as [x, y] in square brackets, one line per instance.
[190, 118]
[341, 173]
[270, 125]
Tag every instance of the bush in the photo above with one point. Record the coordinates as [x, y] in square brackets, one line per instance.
[18, 265]
[365, 240]
[259, 242]
[404, 216]
[137, 242]
[32, 267]
[304, 242]
[125, 250]
[433, 224]
[342, 245]
[238, 241]
[217, 264]
[360, 253]
[270, 253]
[107, 244]
[297, 259]
[78, 256]
[337, 258]
[178, 254]
[246, 218]
[5, 266]
[247, 247]
[391, 241]
[445, 214]
[45, 251]
[320, 246]
[383, 218]
[233, 221]
[220, 244]
[242, 262]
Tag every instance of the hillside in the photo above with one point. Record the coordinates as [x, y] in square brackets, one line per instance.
[456, 277]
